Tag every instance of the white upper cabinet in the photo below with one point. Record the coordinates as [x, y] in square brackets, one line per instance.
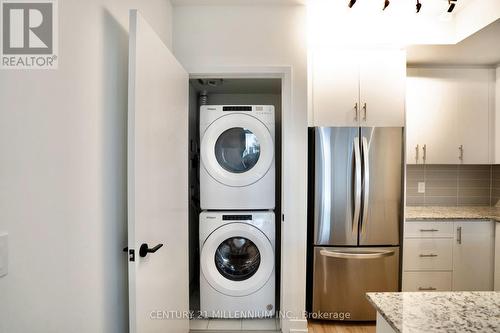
[335, 88]
[358, 88]
[382, 87]
[431, 124]
[474, 114]
[448, 113]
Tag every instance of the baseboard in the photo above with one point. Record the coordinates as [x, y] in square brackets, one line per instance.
[219, 331]
[293, 325]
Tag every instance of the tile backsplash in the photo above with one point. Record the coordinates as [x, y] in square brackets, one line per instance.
[453, 185]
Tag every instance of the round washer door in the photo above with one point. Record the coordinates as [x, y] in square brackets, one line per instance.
[237, 150]
[237, 259]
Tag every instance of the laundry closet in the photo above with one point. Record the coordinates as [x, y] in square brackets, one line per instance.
[234, 203]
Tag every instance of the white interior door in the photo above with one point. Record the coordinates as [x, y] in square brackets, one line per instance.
[157, 183]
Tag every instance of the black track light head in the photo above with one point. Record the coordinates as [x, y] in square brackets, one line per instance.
[419, 5]
[386, 4]
[452, 4]
[351, 3]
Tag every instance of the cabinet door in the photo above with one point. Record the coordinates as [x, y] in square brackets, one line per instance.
[415, 118]
[474, 115]
[497, 258]
[433, 101]
[335, 88]
[473, 255]
[382, 86]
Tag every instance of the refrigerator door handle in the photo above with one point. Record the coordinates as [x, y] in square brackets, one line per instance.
[357, 185]
[357, 255]
[366, 182]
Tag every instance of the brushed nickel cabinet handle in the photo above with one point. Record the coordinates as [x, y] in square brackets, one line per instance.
[459, 235]
[426, 288]
[416, 153]
[424, 149]
[364, 111]
[428, 230]
[461, 155]
[356, 111]
[431, 255]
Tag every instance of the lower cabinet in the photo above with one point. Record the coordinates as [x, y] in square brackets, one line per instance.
[497, 258]
[436, 259]
[473, 255]
[427, 281]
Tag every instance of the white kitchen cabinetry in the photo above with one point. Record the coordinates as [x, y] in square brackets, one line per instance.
[473, 255]
[448, 115]
[448, 255]
[335, 88]
[382, 88]
[358, 88]
[497, 258]
[475, 112]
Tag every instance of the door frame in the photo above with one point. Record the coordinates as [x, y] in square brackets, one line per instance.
[264, 72]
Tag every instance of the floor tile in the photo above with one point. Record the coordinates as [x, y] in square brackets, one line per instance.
[224, 324]
[258, 324]
[198, 324]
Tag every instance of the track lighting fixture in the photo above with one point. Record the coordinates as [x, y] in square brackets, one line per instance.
[452, 4]
[419, 5]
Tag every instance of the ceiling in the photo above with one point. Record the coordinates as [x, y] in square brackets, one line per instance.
[480, 49]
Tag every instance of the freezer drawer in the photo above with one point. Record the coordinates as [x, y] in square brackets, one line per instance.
[342, 276]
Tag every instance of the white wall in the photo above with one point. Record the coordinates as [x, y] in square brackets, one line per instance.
[63, 175]
[205, 36]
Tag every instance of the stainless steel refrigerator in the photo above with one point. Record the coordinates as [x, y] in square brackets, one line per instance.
[355, 205]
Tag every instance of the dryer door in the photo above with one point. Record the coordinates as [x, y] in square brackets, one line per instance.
[237, 150]
[237, 259]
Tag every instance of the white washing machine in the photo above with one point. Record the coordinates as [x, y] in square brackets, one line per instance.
[237, 275]
[237, 157]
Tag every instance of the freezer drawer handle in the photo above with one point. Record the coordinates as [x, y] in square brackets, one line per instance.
[426, 288]
[144, 249]
[428, 255]
[357, 255]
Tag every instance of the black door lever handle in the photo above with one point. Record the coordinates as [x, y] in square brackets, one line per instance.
[144, 249]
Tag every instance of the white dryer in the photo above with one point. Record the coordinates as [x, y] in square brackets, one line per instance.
[237, 275]
[237, 157]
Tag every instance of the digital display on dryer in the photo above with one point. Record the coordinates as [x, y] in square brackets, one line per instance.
[237, 108]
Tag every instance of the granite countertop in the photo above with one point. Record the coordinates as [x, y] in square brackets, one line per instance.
[425, 312]
[453, 213]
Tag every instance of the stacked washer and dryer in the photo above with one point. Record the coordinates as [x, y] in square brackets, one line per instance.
[237, 225]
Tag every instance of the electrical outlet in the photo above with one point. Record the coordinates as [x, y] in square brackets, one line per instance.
[421, 187]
